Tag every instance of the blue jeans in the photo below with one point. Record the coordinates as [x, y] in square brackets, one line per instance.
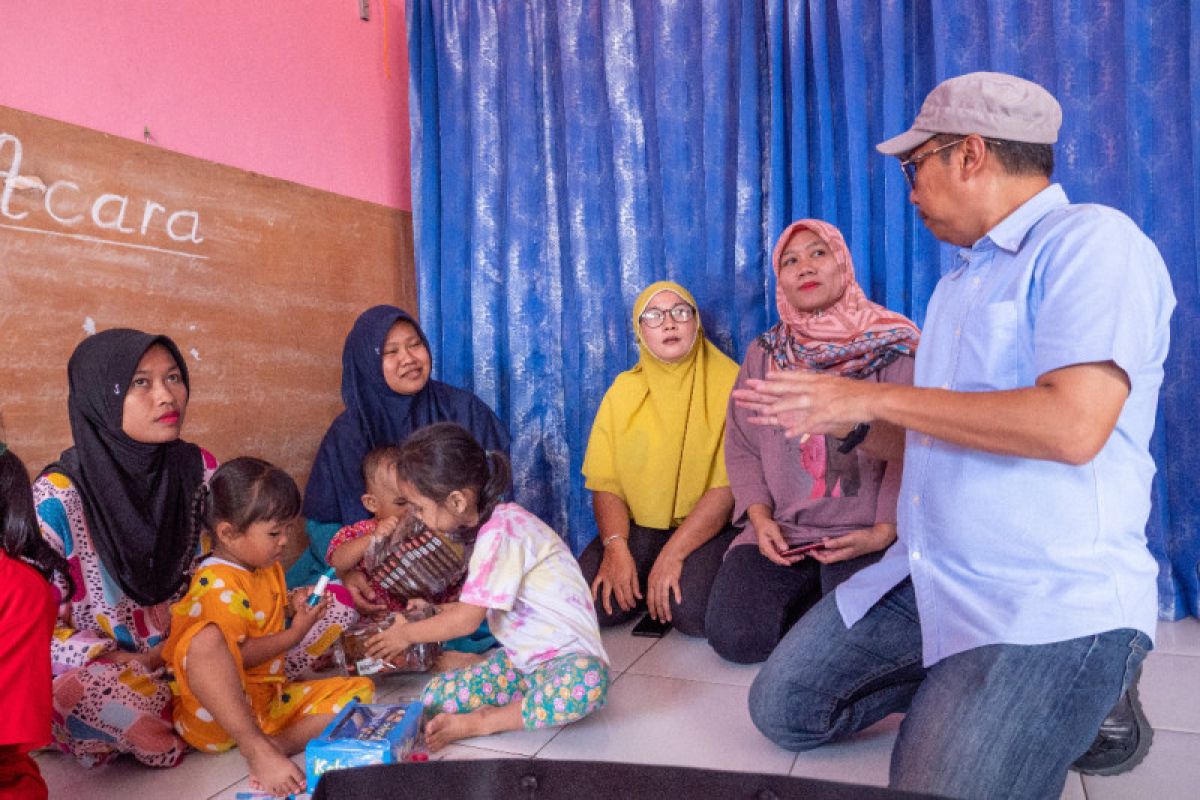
[996, 721]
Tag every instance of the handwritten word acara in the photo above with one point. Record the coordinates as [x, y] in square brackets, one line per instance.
[108, 210]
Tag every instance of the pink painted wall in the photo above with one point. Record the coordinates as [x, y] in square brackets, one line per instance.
[301, 90]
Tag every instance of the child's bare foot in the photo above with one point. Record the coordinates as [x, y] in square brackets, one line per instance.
[272, 771]
[450, 660]
[446, 728]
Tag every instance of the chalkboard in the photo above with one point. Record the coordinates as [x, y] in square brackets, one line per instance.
[256, 279]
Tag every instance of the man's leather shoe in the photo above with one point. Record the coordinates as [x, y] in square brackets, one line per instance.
[1123, 740]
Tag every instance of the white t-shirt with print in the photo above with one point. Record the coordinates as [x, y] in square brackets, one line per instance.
[538, 604]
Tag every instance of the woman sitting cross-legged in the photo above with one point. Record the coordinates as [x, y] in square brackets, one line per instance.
[834, 495]
[656, 469]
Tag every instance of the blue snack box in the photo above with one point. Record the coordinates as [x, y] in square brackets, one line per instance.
[363, 734]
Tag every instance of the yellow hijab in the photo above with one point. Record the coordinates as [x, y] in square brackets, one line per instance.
[658, 441]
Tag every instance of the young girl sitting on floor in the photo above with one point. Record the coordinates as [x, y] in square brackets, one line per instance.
[551, 668]
[27, 614]
[231, 628]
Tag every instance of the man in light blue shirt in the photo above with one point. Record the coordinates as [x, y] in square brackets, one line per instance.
[1020, 597]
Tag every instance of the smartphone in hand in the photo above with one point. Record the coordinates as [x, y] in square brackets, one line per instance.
[802, 548]
[649, 626]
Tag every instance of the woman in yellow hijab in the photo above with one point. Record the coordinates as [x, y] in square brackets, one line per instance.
[655, 465]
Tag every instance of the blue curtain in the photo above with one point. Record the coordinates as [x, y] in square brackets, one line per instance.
[565, 154]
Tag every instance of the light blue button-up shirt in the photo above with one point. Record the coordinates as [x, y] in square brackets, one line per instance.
[1014, 550]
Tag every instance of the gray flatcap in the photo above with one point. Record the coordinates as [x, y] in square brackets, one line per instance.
[991, 104]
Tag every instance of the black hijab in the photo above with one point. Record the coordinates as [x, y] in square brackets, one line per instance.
[137, 497]
[375, 415]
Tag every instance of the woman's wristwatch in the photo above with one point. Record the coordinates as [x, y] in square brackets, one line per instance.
[854, 438]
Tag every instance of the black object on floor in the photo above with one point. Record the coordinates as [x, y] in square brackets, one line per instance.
[528, 779]
[651, 627]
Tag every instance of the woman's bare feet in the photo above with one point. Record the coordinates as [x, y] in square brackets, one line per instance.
[270, 770]
[446, 728]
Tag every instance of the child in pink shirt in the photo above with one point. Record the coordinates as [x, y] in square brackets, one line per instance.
[551, 668]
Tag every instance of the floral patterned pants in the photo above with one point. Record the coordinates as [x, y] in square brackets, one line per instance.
[558, 691]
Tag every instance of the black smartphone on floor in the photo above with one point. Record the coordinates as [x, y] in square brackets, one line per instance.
[649, 626]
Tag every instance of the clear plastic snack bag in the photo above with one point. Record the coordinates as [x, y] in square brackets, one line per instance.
[351, 649]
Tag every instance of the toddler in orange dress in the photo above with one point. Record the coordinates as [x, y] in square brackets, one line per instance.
[232, 629]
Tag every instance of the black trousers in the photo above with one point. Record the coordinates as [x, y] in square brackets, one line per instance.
[695, 579]
[754, 601]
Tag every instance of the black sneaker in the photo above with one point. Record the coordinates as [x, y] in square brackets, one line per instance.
[1123, 740]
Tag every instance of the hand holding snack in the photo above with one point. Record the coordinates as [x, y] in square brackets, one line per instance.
[389, 643]
[353, 649]
[415, 562]
[387, 527]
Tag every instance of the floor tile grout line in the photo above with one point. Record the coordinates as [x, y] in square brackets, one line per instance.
[690, 680]
[613, 681]
[561, 728]
[485, 750]
[505, 753]
[219, 792]
[633, 663]
[1167, 729]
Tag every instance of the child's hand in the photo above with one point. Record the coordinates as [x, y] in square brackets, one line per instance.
[297, 598]
[306, 616]
[364, 597]
[386, 527]
[389, 644]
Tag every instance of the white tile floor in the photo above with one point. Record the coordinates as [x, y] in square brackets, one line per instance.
[673, 701]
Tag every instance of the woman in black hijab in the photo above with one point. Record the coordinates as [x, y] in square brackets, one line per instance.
[117, 505]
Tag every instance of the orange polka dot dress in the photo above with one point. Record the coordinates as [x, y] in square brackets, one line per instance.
[245, 604]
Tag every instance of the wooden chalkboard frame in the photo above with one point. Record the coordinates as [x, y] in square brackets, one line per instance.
[256, 279]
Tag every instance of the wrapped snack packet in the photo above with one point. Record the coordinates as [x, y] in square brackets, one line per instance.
[415, 562]
[351, 648]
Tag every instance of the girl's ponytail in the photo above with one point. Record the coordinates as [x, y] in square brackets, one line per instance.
[200, 521]
[499, 478]
[201, 509]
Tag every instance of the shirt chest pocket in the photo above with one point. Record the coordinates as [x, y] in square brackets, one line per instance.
[989, 348]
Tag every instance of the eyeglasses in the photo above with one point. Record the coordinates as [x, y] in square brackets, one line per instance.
[910, 166]
[655, 317]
